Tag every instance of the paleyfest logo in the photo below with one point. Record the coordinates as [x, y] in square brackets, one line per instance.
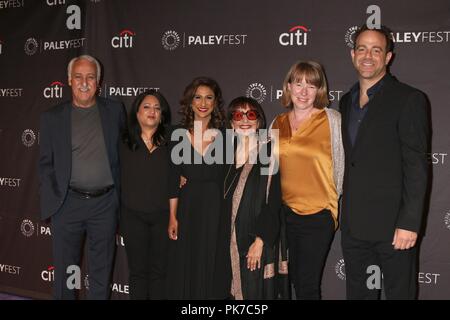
[171, 40]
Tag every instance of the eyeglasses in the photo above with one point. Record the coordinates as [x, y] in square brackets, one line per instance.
[250, 114]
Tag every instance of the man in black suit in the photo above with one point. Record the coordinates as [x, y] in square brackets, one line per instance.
[79, 179]
[385, 135]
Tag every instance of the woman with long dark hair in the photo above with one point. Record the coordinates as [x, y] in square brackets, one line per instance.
[145, 173]
[194, 229]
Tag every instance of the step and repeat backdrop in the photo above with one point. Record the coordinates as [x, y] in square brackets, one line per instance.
[247, 46]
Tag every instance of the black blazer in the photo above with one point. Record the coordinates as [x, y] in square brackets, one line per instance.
[55, 160]
[386, 170]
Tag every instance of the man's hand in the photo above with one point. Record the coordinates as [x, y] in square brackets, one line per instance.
[404, 239]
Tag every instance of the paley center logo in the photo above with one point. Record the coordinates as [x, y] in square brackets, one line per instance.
[447, 219]
[28, 228]
[123, 40]
[29, 138]
[339, 268]
[54, 90]
[349, 36]
[296, 36]
[257, 91]
[32, 45]
[171, 40]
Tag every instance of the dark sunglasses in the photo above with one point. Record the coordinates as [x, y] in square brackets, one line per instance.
[250, 114]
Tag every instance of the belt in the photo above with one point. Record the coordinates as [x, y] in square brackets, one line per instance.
[92, 193]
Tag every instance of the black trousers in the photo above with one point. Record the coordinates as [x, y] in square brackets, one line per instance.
[309, 240]
[146, 241]
[97, 219]
[398, 268]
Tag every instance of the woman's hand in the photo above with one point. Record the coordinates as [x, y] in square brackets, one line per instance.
[254, 254]
[183, 181]
[172, 229]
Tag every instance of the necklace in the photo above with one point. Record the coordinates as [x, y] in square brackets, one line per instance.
[148, 143]
[225, 182]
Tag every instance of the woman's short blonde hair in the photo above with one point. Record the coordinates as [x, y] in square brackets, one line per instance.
[313, 74]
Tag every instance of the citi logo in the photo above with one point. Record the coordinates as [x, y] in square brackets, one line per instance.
[55, 2]
[54, 90]
[49, 274]
[124, 40]
[297, 36]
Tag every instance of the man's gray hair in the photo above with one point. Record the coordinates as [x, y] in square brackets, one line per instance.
[88, 58]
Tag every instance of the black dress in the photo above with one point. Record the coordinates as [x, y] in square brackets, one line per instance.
[192, 269]
[253, 215]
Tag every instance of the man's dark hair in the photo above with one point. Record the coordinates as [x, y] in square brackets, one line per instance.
[385, 31]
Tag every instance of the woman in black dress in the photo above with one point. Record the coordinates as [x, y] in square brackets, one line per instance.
[145, 195]
[253, 199]
[194, 228]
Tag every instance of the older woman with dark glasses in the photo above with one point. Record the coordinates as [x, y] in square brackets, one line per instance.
[252, 201]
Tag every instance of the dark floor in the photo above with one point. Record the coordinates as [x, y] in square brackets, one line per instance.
[5, 296]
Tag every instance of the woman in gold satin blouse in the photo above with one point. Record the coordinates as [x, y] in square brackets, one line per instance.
[311, 166]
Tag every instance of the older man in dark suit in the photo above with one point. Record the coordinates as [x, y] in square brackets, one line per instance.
[79, 178]
[385, 134]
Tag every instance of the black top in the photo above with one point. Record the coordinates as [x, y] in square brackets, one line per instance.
[145, 178]
[356, 114]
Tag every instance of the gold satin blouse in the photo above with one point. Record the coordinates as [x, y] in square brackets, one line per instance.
[306, 165]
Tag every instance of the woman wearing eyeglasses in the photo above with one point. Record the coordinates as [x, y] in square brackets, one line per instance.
[311, 167]
[252, 199]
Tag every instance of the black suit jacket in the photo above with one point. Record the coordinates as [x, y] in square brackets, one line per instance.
[55, 161]
[386, 170]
